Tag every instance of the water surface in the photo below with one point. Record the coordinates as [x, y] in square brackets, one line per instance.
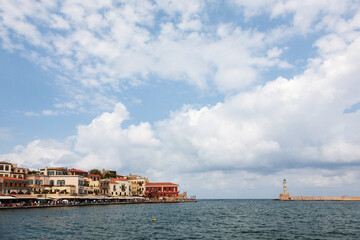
[206, 219]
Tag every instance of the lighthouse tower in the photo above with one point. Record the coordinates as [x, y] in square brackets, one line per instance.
[284, 195]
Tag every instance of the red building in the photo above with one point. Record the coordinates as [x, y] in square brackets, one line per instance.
[161, 190]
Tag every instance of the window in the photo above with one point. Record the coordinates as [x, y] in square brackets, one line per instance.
[31, 182]
[63, 182]
[6, 167]
[1, 167]
[51, 182]
[58, 182]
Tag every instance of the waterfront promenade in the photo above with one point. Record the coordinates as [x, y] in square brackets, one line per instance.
[83, 202]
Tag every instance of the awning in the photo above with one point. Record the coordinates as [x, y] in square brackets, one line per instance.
[6, 197]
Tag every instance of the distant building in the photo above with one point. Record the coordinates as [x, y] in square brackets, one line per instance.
[161, 190]
[10, 185]
[53, 171]
[5, 169]
[56, 184]
[138, 184]
[92, 184]
[120, 187]
[104, 187]
[12, 170]
[74, 171]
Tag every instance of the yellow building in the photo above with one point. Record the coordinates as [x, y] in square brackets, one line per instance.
[138, 184]
[92, 184]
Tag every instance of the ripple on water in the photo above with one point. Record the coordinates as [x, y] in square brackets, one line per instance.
[206, 219]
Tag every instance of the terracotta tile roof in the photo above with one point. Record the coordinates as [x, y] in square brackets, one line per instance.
[132, 175]
[162, 184]
[3, 162]
[117, 179]
[57, 168]
[11, 178]
[76, 170]
[93, 175]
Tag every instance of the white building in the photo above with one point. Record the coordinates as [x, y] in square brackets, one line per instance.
[120, 187]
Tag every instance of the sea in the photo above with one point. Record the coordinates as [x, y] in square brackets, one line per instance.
[204, 219]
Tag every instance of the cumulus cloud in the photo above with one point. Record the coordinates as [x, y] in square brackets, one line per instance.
[285, 127]
[102, 47]
[41, 153]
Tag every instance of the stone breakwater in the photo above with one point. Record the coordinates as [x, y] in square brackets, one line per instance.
[285, 196]
[300, 198]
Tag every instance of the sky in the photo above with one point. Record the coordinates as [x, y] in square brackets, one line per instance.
[225, 98]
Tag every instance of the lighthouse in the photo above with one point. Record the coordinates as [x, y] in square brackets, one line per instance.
[284, 186]
[284, 195]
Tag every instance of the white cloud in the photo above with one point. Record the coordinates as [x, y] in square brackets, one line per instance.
[293, 128]
[41, 153]
[108, 47]
[282, 127]
[306, 15]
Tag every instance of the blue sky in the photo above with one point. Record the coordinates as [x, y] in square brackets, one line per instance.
[202, 93]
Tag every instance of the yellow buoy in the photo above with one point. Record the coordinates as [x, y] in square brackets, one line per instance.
[154, 220]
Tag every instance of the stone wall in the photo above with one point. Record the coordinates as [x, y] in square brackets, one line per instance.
[300, 198]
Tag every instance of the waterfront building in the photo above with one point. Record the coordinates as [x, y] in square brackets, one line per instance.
[37, 183]
[162, 190]
[182, 196]
[138, 184]
[10, 185]
[65, 182]
[18, 172]
[56, 184]
[92, 184]
[74, 171]
[5, 169]
[120, 187]
[104, 187]
[53, 171]
[12, 170]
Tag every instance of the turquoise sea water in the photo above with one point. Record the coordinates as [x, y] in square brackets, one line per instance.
[206, 219]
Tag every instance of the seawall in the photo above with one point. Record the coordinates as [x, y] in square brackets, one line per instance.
[94, 204]
[301, 198]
